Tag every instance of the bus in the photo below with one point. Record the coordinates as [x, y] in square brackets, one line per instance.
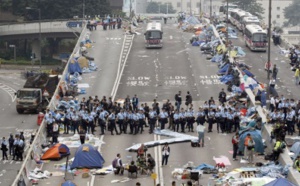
[232, 17]
[154, 35]
[223, 8]
[240, 17]
[256, 38]
[253, 20]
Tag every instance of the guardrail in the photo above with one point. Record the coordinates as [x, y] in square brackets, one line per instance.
[36, 148]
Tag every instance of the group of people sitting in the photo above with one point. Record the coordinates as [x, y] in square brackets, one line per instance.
[144, 164]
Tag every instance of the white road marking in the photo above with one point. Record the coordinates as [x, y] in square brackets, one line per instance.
[9, 90]
[182, 51]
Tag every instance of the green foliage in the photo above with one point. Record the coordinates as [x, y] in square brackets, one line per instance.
[292, 13]
[56, 9]
[251, 6]
[155, 8]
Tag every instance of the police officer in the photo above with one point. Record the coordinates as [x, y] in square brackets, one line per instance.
[163, 117]
[91, 125]
[135, 123]
[152, 119]
[236, 120]
[102, 120]
[211, 117]
[141, 116]
[176, 118]
[200, 116]
[130, 121]
[190, 119]
[75, 122]
[229, 121]
[112, 123]
[289, 122]
[67, 120]
[120, 120]
[182, 120]
[217, 117]
[223, 120]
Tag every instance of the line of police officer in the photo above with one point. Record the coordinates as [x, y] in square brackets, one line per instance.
[285, 111]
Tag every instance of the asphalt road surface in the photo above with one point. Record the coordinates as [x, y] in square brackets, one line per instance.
[11, 121]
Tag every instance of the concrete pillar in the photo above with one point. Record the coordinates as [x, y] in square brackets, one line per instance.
[36, 48]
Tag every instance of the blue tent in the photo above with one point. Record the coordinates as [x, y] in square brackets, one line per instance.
[256, 135]
[87, 157]
[280, 182]
[68, 183]
[74, 67]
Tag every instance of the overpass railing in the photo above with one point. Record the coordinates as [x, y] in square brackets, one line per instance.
[35, 150]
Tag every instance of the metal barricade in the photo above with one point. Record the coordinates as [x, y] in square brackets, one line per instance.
[35, 149]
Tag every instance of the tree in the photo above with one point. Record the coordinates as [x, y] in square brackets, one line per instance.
[292, 13]
[153, 7]
[251, 6]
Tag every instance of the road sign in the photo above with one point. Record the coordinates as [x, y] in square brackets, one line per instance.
[74, 24]
[154, 176]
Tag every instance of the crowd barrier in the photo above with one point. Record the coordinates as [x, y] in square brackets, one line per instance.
[35, 150]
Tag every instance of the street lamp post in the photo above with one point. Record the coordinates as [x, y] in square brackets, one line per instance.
[40, 33]
[15, 52]
[269, 51]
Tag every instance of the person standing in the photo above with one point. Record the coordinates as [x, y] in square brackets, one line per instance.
[112, 123]
[75, 121]
[250, 149]
[20, 147]
[165, 154]
[222, 96]
[188, 99]
[120, 120]
[4, 148]
[201, 130]
[152, 120]
[178, 100]
[102, 120]
[135, 102]
[11, 144]
[141, 121]
[274, 72]
[55, 132]
[163, 118]
[235, 144]
[82, 135]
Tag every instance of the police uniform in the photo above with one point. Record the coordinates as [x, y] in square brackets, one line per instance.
[290, 123]
[141, 117]
[190, 119]
[50, 120]
[112, 123]
[152, 120]
[182, 120]
[217, 117]
[91, 125]
[75, 122]
[176, 118]
[200, 117]
[135, 123]
[102, 120]
[211, 117]
[223, 118]
[229, 121]
[163, 116]
[120, 121]
[236, 120]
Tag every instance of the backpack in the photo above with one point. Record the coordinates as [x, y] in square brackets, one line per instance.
[114, 163]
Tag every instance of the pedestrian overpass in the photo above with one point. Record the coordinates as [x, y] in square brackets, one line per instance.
[49, 29]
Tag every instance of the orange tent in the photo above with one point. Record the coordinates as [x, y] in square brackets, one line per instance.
[57, 151]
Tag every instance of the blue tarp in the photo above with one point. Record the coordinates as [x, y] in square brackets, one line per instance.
[74, 67]
[227, 78]
[280, 182]
[256, 135]
[87, 157]
[68, 183]
[248, 73]
[224, 69]
[217, 58]
[205, 166]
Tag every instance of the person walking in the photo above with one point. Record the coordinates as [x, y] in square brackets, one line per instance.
[165, 154]
[4, 148]
[222, 96]
[235, 144]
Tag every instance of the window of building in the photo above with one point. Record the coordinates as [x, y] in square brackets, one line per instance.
[188, 4]
[278, 7]
[178, 4]
[278, 16]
